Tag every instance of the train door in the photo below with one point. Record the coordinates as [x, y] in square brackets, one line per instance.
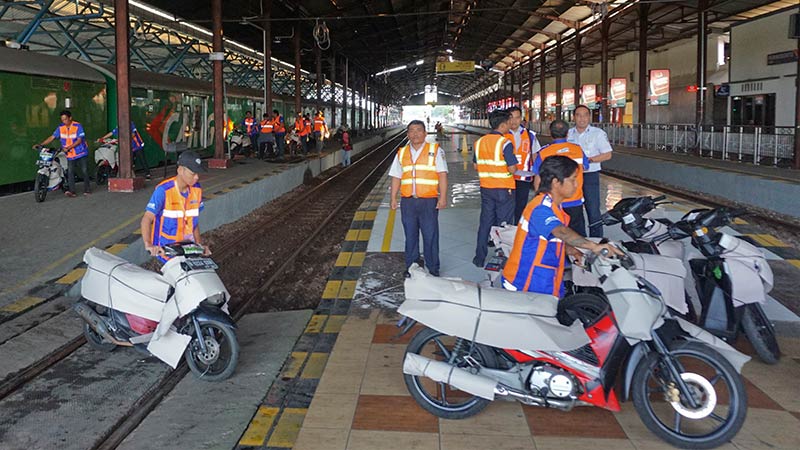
[196, 131]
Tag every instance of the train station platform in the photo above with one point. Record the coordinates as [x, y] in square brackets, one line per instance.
[762, 187]
[356, 397]
[43, 243]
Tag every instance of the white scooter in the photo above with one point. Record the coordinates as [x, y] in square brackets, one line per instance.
[182, 312]
[479, 345]
[239, 143]
[106, 157]
[52, 164]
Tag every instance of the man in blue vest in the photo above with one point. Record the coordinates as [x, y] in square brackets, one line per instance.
[137, 147]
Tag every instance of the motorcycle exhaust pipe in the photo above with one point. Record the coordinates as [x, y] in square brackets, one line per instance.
[475, 384]
[97, 323]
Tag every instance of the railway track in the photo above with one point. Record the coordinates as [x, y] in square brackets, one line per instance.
[310, 214]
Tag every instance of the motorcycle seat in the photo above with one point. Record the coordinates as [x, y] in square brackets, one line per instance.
[127, 276]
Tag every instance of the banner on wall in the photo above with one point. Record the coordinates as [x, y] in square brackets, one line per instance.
[589, 95]
[550, 100]
[617, 92]
[537, 102]
[659, 87]
[568, 99]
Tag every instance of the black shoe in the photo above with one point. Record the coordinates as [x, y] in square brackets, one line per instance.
[434, 273]
[477, 262]
[491, 243]
[407, 275]
[421, 262]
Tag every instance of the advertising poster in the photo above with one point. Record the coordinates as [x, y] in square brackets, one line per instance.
[659, 87]
[617, 92]
[589, 95]
[550, 100]
[568, 99]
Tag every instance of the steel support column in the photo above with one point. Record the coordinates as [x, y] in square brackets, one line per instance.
[578, 63]
[530, 90]
[702, 48]
[604, 69]
[297, 89]
[318, 62]
[344, 94]
[219, 94]
[559, 91]
[333, 90]
[266, 11]
[353, 102]
[797, 112]
[542, 92]
[644, 9]
[121, 21]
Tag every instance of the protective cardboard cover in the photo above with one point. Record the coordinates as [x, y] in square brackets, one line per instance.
[748, 268]
[169, 347]
[493, 317]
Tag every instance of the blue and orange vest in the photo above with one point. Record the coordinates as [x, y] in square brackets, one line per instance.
[523, 153]
[68, 135]
[250, 126]
[560, 147]
[177, 221]
[536, 263]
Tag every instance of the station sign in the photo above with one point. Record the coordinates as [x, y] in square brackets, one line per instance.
[659, 87]
[455, 66]
[617, 93]
[589, 95]
[550, 100]
[568, 99]
[537, 102]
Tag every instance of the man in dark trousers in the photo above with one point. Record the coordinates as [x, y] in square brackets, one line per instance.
[419, 173]
[496, 164]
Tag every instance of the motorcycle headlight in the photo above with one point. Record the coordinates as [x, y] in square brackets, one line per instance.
[216, 299]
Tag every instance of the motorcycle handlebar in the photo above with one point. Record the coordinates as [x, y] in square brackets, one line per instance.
[660, 198]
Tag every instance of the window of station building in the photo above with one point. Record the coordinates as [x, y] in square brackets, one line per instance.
[753, 111]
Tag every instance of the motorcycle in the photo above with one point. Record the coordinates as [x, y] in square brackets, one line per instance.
[239, 143]
[182, 311]
[730, 278]
[106, 157]
[479, 345]
[52, 164]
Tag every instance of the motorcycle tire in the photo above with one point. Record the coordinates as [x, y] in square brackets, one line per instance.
[103, 173]
[96, 341]
[204, 365]
[471, 406]
[40, 187]
[761, 333]
[581, 306]
[733, 392]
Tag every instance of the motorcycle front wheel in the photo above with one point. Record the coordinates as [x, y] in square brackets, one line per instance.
[761, 333]
[440, 399]
[218, 361]
[718, 390]
[40, 187]
[103, 173]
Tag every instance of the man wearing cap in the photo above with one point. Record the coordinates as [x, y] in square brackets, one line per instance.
[174, 208]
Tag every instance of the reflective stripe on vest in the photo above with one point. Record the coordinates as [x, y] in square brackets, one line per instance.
[278, 125]
[419, 178]
[492, 166]
[573, 152]
[319, 123]
[523, 153]
[68, 135]
[177, 217]
[249, 123]
[137, 143]
[519, 271]
[266, 126]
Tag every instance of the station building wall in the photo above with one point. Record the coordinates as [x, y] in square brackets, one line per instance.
[750, 74]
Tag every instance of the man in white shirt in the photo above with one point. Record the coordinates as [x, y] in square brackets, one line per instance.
[525, 148]
[419, 174]
[596, 147]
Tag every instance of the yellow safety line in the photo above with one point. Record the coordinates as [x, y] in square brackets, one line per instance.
[387, 234]
[256, 433]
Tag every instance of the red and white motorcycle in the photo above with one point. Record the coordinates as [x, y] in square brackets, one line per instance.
[482, 344]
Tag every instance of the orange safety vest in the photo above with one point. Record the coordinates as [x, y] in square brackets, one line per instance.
[536, 263]
[249, 124]
[574, 152]
[177, 217]
[306, 128]
[319, 123]
[266, 126]
[420, 178]
[69, 134]
[492, 166]
[523, 153]
[278, 125]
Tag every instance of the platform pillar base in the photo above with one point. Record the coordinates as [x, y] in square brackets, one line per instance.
[220, 163]
[125, 184]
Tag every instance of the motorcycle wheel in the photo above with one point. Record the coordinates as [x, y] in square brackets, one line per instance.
[761, 333]
[721, 411]
[96, 341]
[581, 306]
[40, 187]
[444, 401]
[103, 172]
[218, 362]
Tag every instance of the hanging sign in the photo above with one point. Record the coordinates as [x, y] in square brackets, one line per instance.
[659, 87]
[550, 100]
[619, 88]
[589, 95]
[455, 67]
[568, 99]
